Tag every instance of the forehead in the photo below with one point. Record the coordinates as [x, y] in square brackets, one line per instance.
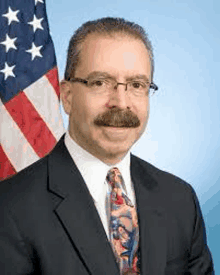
[118, 55]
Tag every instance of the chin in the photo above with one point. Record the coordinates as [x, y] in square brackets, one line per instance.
[117, 150]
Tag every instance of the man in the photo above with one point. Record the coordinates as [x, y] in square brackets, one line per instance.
[90, 207]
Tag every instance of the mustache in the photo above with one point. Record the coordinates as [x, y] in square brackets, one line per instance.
[116, 117]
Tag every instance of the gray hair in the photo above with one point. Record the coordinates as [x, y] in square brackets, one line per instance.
[106, 27]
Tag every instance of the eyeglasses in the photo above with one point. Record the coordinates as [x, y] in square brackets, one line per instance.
[106, 85]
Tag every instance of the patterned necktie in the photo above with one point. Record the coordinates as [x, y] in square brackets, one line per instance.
[124, 232]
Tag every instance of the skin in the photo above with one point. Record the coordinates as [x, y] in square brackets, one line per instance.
[121, 57]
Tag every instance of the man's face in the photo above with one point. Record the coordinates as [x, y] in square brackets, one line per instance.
[121, 58]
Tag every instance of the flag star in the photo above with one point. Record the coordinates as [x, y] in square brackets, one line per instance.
[36, 23]
[35, 51]
[11, 15]
[40, 1]
[9, 43]
[8, 71]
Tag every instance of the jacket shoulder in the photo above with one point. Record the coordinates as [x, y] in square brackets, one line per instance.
[163, 179]
[34, 174]
[28, 181]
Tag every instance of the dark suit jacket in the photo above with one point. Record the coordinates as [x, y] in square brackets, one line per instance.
[49, 224]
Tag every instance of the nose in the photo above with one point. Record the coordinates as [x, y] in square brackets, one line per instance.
[119, 97]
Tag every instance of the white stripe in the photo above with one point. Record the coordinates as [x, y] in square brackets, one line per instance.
[14, 143]
[44, 98]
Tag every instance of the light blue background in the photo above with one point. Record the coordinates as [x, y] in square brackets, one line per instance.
[183, 134]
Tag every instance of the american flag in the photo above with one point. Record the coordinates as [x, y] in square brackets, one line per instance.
[30, 120]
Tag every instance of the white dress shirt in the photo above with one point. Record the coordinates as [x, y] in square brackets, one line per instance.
[94, 173]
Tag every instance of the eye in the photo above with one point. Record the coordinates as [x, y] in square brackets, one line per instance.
[97, 83]
[138, 85]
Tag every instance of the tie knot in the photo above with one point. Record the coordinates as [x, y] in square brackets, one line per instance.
[114, 177]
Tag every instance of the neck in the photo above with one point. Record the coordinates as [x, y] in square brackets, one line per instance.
[111, 160]
[106, 157]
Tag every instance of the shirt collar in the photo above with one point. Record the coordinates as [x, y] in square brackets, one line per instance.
[94, 171]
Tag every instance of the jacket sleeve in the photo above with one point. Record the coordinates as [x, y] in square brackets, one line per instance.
[200, 260]
[14, 255]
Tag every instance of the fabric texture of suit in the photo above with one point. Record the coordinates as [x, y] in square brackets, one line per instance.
[49, 224]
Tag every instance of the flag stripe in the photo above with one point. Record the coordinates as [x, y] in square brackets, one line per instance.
[31, 124]
[6, 167]
[52, 76]
[14, 143]
[44, 99]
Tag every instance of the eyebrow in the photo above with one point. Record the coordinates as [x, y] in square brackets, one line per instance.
[138, 77]
[107, 75]
[99, 74]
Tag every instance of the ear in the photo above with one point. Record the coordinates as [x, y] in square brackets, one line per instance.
[66, 95]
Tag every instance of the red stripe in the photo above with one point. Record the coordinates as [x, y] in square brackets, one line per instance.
[31, 124]
[6, 168]
[52, 76]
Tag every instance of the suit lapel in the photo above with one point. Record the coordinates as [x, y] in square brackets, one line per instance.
[151, 221]
[79, 218]
[78, 214]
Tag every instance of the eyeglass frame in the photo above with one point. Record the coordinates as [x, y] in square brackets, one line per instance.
[84, 81]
